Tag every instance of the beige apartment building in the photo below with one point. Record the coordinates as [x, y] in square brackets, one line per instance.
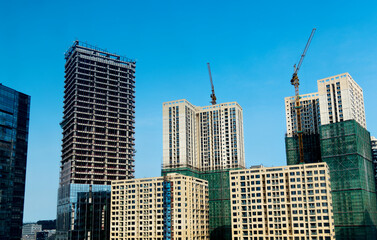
[282, 203]
[339, 98]
[204, 138]
[174, 206]
[310, 114]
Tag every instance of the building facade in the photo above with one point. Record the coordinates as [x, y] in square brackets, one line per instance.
[341, 99]
[310, 114]
[98, 129]
[205, 142]
[204, 138]
[282, 203]
[159, 208]
[373, 142]
[14, 129]
[29, 231]
[345, 147]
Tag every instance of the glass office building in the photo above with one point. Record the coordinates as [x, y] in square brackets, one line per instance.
[14, 128]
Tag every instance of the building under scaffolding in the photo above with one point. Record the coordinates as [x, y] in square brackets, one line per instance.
[219, 199]
[312, 149]
[345, 147]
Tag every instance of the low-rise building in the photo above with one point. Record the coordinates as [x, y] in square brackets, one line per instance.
[174, 206]
[282, 203]
[29, 231]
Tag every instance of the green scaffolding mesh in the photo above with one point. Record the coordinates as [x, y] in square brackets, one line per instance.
[346, 148]
[312, 149]
[219, 199]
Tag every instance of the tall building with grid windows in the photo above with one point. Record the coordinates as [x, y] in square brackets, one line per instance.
[282, 203]
[341, 99]
[159, 208]
[98, 133]
[343, 142]
[205, 142]
[373, 142]
[14, 132]
[204, 138]
[310, 114]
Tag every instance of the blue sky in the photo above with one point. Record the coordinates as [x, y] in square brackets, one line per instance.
[251, 45]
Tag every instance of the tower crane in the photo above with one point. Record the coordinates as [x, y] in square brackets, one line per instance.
[213, 97]
[295, 83]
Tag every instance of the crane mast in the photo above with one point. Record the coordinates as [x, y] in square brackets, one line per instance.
[213, 96]
[295, 83]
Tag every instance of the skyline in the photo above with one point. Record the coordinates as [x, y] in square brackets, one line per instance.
[169, 54]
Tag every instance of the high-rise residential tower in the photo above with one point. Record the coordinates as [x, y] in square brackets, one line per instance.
[14, 129]
[204, 138]
[310, 114]
[343, 142]
[373, 142]
[98, 131]
[205, 142]
[339, 98]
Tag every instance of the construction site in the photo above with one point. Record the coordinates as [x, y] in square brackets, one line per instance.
[344, 144]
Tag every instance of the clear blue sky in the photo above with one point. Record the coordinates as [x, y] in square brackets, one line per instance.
[251, 45]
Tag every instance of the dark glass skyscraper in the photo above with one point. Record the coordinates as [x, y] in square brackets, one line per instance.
[14, 128]
[98, 136]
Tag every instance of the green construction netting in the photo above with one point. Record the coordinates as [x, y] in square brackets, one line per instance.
[312, 149]
[346, 148]
[219, 199]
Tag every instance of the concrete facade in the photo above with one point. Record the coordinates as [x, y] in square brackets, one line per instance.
[170, 207]
[204, 138]
[310, 114]
[98, 138]
[341, 99]
[282, 203]
[373, 142]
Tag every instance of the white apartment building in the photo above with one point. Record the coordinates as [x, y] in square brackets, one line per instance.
[282, 203]
[174, 206]
[373, 142]
[339, 98]
[310, 114]
[205, 138]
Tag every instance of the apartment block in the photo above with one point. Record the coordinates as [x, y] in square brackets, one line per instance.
[282, 203]
[170, 207]
[204, 138]
[98, 136]
[341, 99]
[205, 142]
[310, 114]
[373, 142]
[338, 99]
[346, 148]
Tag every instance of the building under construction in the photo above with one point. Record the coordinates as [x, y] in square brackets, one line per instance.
[345, 147]
[219, 199]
